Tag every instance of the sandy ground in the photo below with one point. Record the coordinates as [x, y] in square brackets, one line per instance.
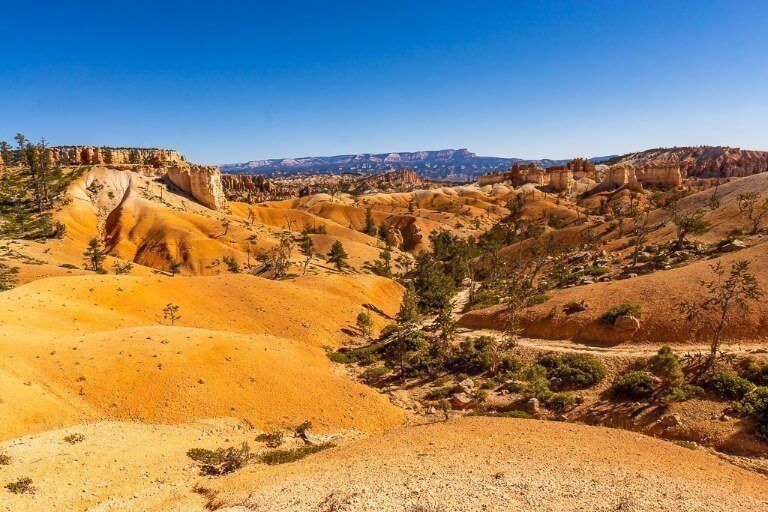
[500, 464]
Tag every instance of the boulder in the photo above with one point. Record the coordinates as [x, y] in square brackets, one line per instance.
[626, 323]
[532, 406]
[467, 385]
[733, 245]
[461, 401]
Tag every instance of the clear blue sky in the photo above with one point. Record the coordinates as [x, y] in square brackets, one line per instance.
[234, 81]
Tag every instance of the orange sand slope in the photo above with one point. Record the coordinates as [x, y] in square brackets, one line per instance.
[85, 347]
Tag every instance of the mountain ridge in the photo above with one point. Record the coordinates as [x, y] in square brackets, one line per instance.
[445, 164]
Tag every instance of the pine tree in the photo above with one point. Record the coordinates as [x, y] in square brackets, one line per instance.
[338, 256]
[94, 254]
[409, 308]
[370, 224]
[5, 153]
[307, 249]
[364, 321]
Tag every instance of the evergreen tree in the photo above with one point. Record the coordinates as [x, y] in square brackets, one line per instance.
[384, 232]
[409, 308]
[5, 153]
[94, 254]
[364, 322]
[433, 286]
[445, 322]
[307, 249]
[370, 224]
[338, 256]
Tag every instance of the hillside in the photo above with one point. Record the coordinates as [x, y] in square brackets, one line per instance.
[703, 161]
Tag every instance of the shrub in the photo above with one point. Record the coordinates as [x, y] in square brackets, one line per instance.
[476, 355]
[282, 456]
[666, 366]
[272, 438]
[686, 444]
[536, 383]
[595, 271]
[754, 405]
[374, 374]
[4, 459]
[572, 371]
[561, 402]
[680, 394]
[757, 373]
[221, 460]
[729, 385]
[361, 355]
[21, 486]
[441, 393]
[501, 414]
[74, 438]
[623, 309]
[539, 298]
[635, 385]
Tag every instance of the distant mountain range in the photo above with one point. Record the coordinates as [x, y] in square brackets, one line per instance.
[447, 164]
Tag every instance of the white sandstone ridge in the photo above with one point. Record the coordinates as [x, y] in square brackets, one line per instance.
[200, 182]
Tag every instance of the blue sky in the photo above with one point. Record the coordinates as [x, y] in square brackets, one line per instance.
[235, 81]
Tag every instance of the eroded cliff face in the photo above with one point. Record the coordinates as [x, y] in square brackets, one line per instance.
[92, 155]
[203, 183]
[246, 187]
[703, 161]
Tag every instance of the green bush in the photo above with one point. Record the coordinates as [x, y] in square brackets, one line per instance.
[595, 271]
[272, 438]
[680, 393]
[623, 309]
[221, 460]
[757, 373]
[729, 385]
[686, 444]
[539, 298]
[501, 414]
[74, 438]
[441, 393]
[21, 486]
[476, 355]
[375, 374]
[561, 402]
[572, 371]
[536, 383]
[361, 355]
[282, 456]
[754, 405]
[635, 385]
